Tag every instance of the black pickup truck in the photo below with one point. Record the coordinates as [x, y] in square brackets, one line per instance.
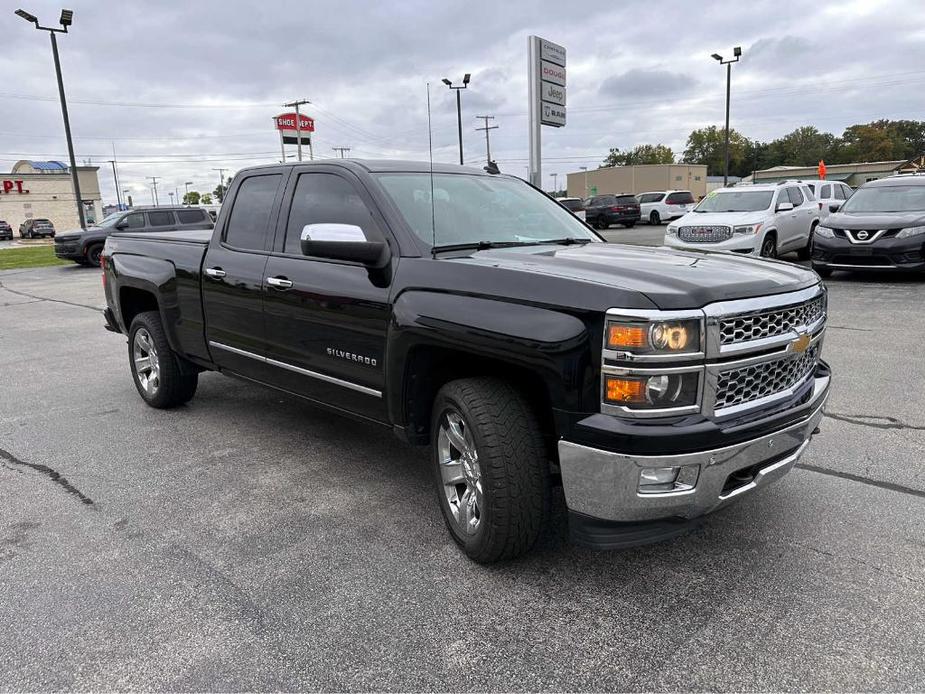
[472, 313]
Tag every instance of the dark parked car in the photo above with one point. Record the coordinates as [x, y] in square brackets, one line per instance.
[471, 313]
[880, 227]
[603, 210]
[6, 231]
[36, 228]
[84, 247]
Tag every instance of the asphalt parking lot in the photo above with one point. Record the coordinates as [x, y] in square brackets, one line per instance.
[248, 541]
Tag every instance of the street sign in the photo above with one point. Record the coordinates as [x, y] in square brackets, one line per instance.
[546, 78]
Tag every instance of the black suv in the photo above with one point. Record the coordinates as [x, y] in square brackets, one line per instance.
[880, 227]
[84, 247]
[36, 228]
[603, 210]
[6, 231]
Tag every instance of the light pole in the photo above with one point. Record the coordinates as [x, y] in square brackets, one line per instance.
[465, 83]
[221, 180]
[585, 169]
[737, 53]
[555, 187]
[115, 178]
[66, 19]
[186, 192]
[125, 197]
[171, 198]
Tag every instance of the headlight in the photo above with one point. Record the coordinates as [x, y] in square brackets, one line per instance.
[659, 337]
[909, 231]
[826, 233]
[747, 229]
[672, 230]
[655, 392]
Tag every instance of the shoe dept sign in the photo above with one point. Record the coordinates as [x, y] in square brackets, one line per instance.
[546, 95]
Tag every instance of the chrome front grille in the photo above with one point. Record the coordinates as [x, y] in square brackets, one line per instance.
[705, 234]
[750, 383]
[756, 326]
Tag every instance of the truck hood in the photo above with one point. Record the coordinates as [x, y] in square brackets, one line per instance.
[72, 234]
[865, 220]
[721, 218]
[671, 279]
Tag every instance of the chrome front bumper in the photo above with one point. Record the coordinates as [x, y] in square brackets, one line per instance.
[604, 485]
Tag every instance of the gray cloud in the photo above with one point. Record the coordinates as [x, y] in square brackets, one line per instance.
[641, 82]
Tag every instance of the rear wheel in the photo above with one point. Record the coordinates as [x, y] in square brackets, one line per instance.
[655, 218]
[630, 225]
[601, 224]
[491, 468]
[163, 380]
[769, 246]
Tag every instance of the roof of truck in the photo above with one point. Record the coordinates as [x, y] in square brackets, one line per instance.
[382, 166]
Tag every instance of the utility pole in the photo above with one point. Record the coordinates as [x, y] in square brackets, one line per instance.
[221, 182]
[341, 150]
[170, 194]
[115, 178]
[555, 187]
[186, 192]
[487, 141]
[298, 124]
[154, 183]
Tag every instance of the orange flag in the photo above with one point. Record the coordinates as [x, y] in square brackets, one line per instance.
[821, 169]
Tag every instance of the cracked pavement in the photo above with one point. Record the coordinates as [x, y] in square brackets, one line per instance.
[250, 542]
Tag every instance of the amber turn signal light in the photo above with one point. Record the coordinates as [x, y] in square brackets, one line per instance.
[624, 336]
[625, 390]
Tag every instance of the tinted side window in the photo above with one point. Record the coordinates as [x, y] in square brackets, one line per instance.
[626, 200]
[826, 192]
[321, 198]
[680, 199]
[839, 193]
[796, 197]
[134, 221]
[191, 216]
[248, 226]
[160, 219]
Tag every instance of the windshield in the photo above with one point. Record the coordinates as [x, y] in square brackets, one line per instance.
[110, 220]
[735, 201]
[470, 209]
[887, 199]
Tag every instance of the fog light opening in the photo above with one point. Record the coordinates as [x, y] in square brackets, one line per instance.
[658, 480]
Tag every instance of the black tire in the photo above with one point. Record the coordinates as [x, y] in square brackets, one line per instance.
[822, 270]
[806, 252]
[601, 224]
[630, 225]
[769, 246]
[512, 467]
[176, 378]
[93, 254]
[655, 218]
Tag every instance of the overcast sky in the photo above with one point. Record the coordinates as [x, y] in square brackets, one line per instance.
[182, 87]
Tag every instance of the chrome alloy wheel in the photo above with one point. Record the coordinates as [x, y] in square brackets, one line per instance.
[147, 366]
[460, 472]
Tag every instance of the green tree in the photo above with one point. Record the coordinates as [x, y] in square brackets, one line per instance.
[884, 140]
[805, 146]
[206, 199]
[706, 146]
[640, 154]
[191, 198]
[220, 191]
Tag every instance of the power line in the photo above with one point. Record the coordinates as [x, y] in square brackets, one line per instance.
[341, 150]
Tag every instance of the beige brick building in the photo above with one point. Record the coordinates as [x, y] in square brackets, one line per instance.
[44, 189]
[639, 179]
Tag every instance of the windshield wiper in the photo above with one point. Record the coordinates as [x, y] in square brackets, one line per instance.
[565, 242]
[480, 245]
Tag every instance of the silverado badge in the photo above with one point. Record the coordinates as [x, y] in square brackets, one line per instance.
[800, 344]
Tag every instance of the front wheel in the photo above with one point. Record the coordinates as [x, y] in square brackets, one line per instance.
[769, 247]
[162, 379]
[601, 224]
[491, 468]
[806, 252]
[93, 254]
[655, 218]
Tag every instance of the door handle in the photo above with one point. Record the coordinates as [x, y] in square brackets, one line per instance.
[215, 273]
[279, 282]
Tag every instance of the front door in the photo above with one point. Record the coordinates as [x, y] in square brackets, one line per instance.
[326, 320]
[233, 272]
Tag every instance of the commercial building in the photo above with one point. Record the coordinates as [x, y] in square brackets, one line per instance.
[639, 179]
[44, 189]
[853, 174]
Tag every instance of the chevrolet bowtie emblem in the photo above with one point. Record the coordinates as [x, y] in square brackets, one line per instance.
[800, 344]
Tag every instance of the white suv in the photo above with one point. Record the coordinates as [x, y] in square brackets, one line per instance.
[766, 220]
[828, 193]
[663, 206]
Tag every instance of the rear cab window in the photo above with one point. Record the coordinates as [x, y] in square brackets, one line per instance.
[160, 219]
[191, 216]
[573, 205]
[248, 226]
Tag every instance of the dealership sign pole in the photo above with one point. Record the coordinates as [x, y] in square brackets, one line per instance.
[546, 94]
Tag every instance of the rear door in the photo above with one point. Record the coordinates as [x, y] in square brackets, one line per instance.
[326, 320]
[160, 220]
[233, 272]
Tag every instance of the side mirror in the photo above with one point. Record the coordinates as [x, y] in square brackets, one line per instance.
[834, 207]
[784, 206]
[122, 225]
[343, 242]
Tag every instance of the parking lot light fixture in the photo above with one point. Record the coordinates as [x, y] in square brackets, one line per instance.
[736, 53]
[66, 20]
[465, 83]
